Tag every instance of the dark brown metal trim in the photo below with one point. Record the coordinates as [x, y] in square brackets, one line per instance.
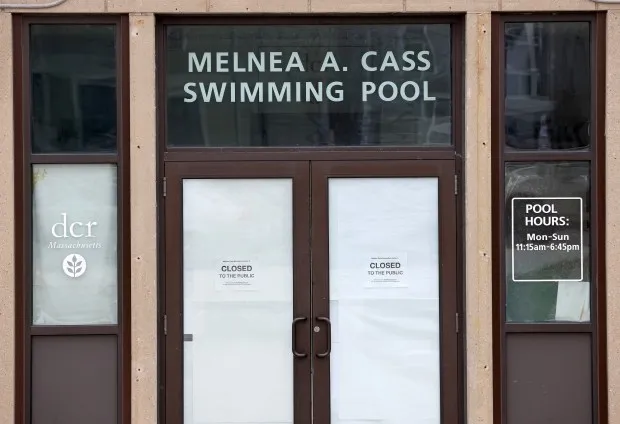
[310, 19]
[457, 45]
[541, 156]
[70, 158]
[304, 154]
[124, 213]
[458, 133]
[160, 137]
[595, 155]
[73, 330]
[559, 327]
[21, 332]
[546, 16]
[24, 159]
[69, 19]
[171, 289]
[497, 206]
[599, 181]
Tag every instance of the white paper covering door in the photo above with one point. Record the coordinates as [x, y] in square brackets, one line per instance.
[384, 300]
[238, 292]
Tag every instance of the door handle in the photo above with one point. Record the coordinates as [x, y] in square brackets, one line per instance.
[328, 336]
[294, 341]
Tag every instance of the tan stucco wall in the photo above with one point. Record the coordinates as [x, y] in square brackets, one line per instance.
[612, 131]
[478, 315]
[7, 247]
[143, 220]
[281, 6]
[143, 204]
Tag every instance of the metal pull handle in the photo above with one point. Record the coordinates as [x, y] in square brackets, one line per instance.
[294, 333]
[329, 337]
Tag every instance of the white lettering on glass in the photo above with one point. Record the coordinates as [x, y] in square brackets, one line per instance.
[389, 91]
[547, 230]
[75, 229]
[308, 91]
[329, 62]
[390, 62]
[284, 92]
[255, 62]
[365, 61]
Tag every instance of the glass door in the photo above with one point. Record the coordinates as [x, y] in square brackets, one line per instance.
[311, 293]
[384, 292]
[238, 296]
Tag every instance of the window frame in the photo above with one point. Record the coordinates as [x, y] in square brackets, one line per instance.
[595, 156]
[203, 153]
[23, 162]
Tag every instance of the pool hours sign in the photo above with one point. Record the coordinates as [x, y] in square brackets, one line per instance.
[547, 239]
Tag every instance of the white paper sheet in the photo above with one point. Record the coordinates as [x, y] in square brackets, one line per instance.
[241, 366]
[573, 301]
[385, 342]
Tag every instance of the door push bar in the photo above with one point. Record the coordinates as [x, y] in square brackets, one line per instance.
[328, 336]
[294, 333]
[298, 354]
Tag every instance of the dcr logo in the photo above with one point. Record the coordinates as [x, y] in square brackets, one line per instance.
[75, 229]
[74, 265]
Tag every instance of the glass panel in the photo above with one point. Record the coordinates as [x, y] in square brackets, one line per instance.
[548, 86]
[74, 246]
[238, 293]
[308, 85]
[73, 94]
[384, 300]
[548, 241]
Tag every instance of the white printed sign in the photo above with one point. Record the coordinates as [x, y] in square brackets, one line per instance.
[236, 275]
[388, 271]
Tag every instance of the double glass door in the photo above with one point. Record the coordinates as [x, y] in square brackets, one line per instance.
[311, 292]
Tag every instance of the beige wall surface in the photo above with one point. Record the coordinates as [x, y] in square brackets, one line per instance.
[143, 219]
[612, 134]
[143, 190]
[280, 6]
[7, 271]
[478, 300]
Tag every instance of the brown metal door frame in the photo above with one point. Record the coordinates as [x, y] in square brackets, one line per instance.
[444, 170]
[175, 173]
[311, 287]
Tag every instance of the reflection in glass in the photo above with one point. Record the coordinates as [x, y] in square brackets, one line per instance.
[543, 301]
[73, 88]
[548, 88]
[74, 245]
[238, 301]
[384, 300]
[406, 70]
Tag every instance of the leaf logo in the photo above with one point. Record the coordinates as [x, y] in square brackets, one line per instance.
[74, 265]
